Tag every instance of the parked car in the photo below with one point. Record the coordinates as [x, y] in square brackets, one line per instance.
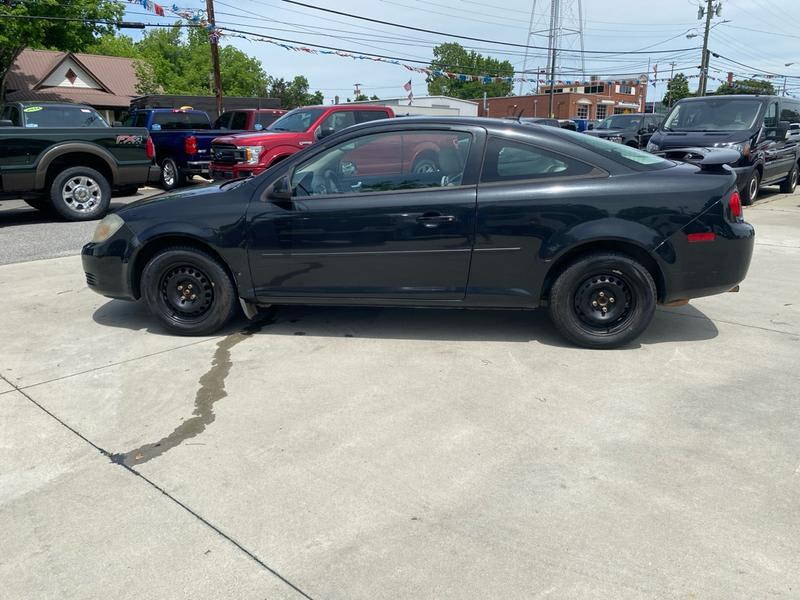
[632, 129]
[536, 121]
[514, 216]
[66, 157]
[248, 119]
[250, 154]
[765, 130]
[182, 137]
[568, 124]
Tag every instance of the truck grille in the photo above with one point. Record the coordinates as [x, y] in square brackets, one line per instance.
[227, 154]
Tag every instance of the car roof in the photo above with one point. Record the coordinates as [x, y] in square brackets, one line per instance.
[48, 103]
[731, 97]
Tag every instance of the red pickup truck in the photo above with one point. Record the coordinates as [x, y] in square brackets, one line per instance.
[251, 153]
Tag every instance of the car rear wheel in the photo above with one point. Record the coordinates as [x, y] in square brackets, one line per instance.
[750, 192]
[425, 164]
[171, 176]
[790, 183]
[603, 300]
[188, 290]
[80, 194]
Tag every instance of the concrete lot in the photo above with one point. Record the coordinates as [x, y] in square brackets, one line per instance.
[384, 454]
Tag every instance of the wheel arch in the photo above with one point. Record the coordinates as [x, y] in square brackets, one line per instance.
[154, 245]
[626, 247]
[67, 156]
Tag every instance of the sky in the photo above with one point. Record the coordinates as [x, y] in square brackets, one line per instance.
[758, 34]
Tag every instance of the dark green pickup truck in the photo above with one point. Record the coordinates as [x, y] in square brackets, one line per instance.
[66, 157]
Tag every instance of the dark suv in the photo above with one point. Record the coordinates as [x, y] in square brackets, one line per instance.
[632, 129]
[765, 130]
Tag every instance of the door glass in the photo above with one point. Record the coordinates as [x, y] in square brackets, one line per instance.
[338, 121]
[239, 120]
[384, 162]
[223, 122]
[771, 120]
[507, 160]
[362, 116]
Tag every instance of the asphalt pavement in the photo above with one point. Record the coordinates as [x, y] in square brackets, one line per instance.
[358, 453]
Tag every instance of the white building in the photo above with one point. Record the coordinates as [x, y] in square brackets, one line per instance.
[428, 105]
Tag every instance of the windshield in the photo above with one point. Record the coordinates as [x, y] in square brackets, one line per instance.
[713, 114]
[630, 157]
[620, 122]
[62, 116]
[178, 119]
[297, 121]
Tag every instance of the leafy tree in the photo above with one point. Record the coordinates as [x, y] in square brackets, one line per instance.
[374, 97]
[294, 93]
[677, 89]
[747, 86]
[17, 34]
[122, 45]
[361, 97]
[453, 57]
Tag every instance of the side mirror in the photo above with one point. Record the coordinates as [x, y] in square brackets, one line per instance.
[258, 127]
[323, 132]
[783, 130]
[116, 123]
[6, 123]
[280, 190]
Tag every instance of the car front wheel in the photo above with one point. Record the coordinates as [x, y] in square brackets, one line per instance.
[751, 189]
[603, 300]
[188, 290]
[790, 183]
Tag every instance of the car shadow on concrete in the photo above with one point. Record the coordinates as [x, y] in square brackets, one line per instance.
[420, 324]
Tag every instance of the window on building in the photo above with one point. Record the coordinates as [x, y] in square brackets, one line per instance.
[594, 89]
[583, 111]
[602, 110]
[625, 89]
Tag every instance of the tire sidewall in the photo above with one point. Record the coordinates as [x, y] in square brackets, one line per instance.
[747, 197]
[788, 186]
[562, 296]
[63, 209]
[224, 303]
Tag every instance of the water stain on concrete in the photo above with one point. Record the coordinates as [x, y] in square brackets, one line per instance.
[211, 390]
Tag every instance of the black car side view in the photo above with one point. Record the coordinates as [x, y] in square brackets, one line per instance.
[764, 130]
[632, 129]
[513, 216]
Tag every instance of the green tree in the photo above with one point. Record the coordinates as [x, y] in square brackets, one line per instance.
[453, 57]
[122, 45]
[747, 86]
[677, 88]
[18, 33]
[293, 93]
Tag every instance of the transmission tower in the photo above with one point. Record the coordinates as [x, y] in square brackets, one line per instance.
[559, 26]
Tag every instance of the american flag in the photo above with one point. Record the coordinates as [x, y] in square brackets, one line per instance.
[407, 86]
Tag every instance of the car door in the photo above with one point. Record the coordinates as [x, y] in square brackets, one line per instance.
[773, 148]
[384, 233]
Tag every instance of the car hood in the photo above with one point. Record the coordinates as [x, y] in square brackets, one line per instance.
[259, 139]
[175, 201]
[702, 139]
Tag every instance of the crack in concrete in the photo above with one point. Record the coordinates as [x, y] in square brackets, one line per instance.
[211, 390]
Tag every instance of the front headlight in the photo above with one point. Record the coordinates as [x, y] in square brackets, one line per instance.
[615, 138]
[107, 227]
[742, 148]
[251, 154]
[651, 147]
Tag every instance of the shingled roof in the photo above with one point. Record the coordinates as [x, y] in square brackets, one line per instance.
[115, 78]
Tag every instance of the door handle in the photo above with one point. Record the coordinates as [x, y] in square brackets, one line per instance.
[435, 219]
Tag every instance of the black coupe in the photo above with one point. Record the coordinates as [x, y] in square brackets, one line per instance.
[434, 212]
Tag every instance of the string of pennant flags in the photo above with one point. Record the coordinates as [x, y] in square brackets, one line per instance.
[198, 17]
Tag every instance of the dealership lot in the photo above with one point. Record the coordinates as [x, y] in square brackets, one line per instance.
[391, 453]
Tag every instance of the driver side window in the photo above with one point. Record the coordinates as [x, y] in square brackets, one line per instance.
[771, 119]
[338, 121]
[385, 162]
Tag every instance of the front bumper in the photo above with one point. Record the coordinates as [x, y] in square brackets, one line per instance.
[223, 172]
[108, 265]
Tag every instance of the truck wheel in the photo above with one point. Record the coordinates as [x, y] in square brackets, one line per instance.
[603, 300]
[171, 176]
[80, 194]
[188, 290]
[750, 191]
[790, 183]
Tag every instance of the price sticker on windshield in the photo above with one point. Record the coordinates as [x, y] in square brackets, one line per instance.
[32, 109]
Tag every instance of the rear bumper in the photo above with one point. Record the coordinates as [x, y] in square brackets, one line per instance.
[708, 268]
[196, 167]
[108, 265]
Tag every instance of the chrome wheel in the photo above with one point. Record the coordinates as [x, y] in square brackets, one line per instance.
[81, 194]
[425, 166]
[168, 174]
[752, 189]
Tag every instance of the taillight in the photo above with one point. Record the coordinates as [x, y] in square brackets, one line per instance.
[706, 236]
[190, 145]
[735, 205]
[151, 150]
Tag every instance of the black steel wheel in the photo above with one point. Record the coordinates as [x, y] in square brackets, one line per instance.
[603, 300]
[789, 184]
[188, 290]
[750, 192]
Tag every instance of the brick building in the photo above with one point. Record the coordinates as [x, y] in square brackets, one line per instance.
[595, 100]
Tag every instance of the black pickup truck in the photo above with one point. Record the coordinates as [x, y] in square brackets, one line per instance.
[66, 157]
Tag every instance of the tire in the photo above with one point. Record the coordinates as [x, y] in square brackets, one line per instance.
[426, 163]
[789, 184]
[173, 276]
[750, 191]
[603, 300]
[128, 190]
[171, 176]
[80, 194]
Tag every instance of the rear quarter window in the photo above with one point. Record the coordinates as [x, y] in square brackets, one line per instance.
[508, 160]
[638, 160]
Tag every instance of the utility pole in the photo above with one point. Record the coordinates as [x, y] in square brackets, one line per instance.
[554, 14]
[356, 90]
[709, 11]
[214, 43]
[527, 42]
